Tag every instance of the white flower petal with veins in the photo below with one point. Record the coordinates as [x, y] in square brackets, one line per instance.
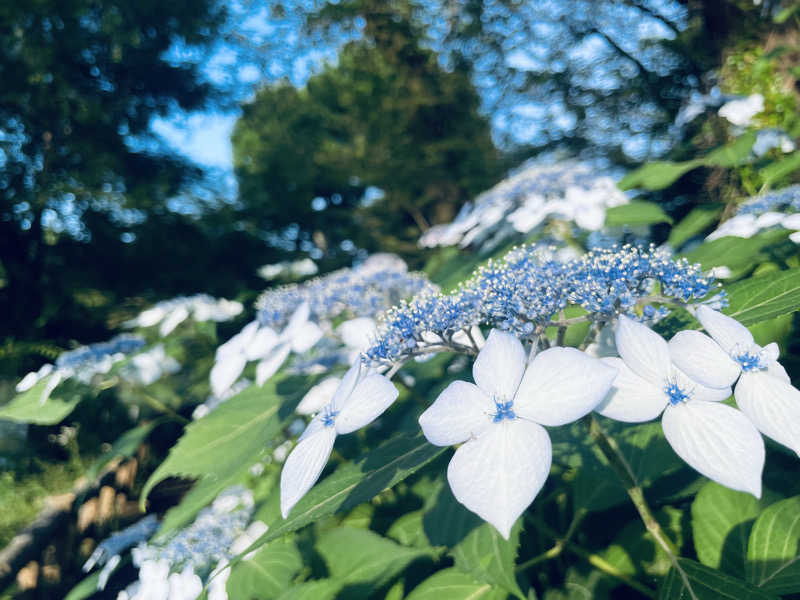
[561, 385]
[643, 350]
[718, 441]
[702, 359]
[773, 406]
[500, 364]
[499, 474]
[370, 398]
[462, 411]
[318, 396]
[727, 332]
[304, 466]
[631, 398]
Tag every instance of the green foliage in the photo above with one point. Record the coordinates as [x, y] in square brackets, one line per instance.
[707, 584]
[354, 483]
[233, 436]
[765, 297]
[267, 573]
[452, 584]
[696, 222]
[662, 174]
[773, 563]
[28, 407]
[636, 213]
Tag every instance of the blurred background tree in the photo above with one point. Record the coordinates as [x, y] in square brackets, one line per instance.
[369, 152]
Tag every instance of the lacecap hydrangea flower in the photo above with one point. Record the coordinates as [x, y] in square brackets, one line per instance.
[763, 391]
[505, 453]
[359, 398]
[780, 208]
[717, 440]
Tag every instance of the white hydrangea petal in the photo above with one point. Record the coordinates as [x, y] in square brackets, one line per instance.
[319, 396]
[718, 441]
[561, 385]
[304, 465]
[631, 398]
[500, 364]
[773, 406]
[591, 217]
[371, 396]
[175, 318]
[358, 333]
[702, 359]
[776, 370]
[643, 350]
[296, 321]
[225, 372]
[727, 332]
[306, 336]
[498, 474]
[772, 351]
[348, 384]
[460, 412]
[260, 344]
[240, 341]
[27, 382]
[268, 366]
[317, 423]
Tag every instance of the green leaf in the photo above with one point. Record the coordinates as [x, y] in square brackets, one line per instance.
[657, 175]
[700, 218]
[267, 574]
[773, 555]
[87, 587]
[636, 213]
[453, 584]
[707, 584]
[721, 523]
[233, 435]
[766, 297]
[733, 154]
[780, 169]
[27, 407]
[124, 446]
[490, 558]
[354, 483]
[360, 556]
[734, 252]
[321, 589]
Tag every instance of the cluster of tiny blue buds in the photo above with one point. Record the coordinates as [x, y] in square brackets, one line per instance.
[85, 356]
[350, 292]
[783, 200]
[207, 541]
[524, 290]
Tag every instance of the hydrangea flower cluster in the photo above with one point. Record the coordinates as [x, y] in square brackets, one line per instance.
[293, 318]
[178, 568]
[773, 209]
[523, 291]
[568, 192]
[171, 313]
[82, 363]
[149, 366]
[366, 290]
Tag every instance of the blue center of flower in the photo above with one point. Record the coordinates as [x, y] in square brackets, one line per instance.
[675, 394]
[750, 361]
[505, 410]
[328, 416]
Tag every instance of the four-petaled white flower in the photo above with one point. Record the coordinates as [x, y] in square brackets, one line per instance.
[764, 392]
[265, 345]
[713, 438]
[361, 397]
[507, 453]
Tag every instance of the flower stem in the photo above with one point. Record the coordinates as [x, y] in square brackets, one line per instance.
[608, 446]
[597, 561]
